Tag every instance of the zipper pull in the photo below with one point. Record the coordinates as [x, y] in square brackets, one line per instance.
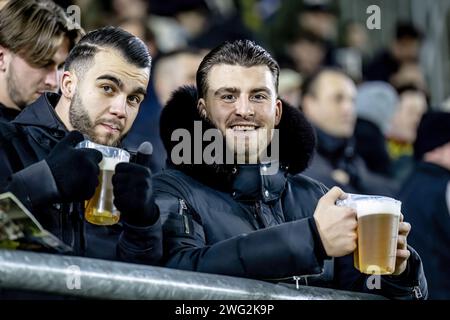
[417, 292]
[296, 279]
[183, 207]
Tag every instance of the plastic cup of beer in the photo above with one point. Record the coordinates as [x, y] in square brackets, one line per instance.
[100, 209]
[378, 220]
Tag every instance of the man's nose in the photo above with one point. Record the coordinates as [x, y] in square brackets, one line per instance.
[51, 80]
[348, 107]
[119, 106]
[244, 108]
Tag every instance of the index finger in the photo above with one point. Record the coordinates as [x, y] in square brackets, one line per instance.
[404, 228]
[332, 195]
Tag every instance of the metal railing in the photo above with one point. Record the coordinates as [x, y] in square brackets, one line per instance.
[101, 279]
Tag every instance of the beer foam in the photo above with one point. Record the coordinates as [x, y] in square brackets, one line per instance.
[109, 163]
[376, 206]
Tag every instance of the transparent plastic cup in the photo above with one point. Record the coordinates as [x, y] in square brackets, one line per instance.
[100, 209]
[378, 220]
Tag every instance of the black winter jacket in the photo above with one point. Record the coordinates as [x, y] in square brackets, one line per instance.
[235, 220]
[426, 205]
[24, 145]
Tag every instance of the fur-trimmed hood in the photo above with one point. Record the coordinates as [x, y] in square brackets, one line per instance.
[296, 135]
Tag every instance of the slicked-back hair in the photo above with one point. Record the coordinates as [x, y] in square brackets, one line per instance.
[35, 29]
[244, 53]
[132, 49]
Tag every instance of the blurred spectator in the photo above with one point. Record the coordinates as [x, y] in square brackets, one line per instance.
[140, 28]
[129, 9]
[409, 74]
[425, 198]
[355, 36]
[403, 127]
[317, 21]
[376, 102]
[178, 22]
[307, 53]
[354, 49]
[319, 17]
[328, 102]
[175, 69]
[289, 86]
[404, 49]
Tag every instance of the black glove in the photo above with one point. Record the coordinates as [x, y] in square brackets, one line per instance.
[132, 184]
[75, 170]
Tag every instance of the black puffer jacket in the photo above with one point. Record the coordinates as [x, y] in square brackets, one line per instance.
[234, 220]
[24, 144]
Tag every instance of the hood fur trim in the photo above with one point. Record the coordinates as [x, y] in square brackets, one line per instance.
[297, 139]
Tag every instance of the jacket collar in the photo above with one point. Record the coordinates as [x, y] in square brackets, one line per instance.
[245, 182]
[334, 148]
[7, 113]
[251, 183]
[41, 113]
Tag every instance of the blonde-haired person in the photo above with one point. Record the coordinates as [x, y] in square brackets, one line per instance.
[35, 39]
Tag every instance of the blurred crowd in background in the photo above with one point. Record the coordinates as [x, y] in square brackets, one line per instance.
[304, 37]
[365, 91]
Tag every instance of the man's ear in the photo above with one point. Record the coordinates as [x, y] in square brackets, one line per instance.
[201, 107]
[68, 84]
[278, 111]
[3, 58]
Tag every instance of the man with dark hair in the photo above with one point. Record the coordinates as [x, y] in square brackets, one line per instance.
[425, 196]
[35, 38]
[328, 103]
[252, 214]
[104, 82]
[404, 50]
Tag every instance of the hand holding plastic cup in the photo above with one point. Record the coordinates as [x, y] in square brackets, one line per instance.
[378, 221]
[100, 209]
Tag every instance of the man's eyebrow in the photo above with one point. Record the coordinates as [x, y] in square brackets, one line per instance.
[263, 89]
[140, 90]
[223, 90]
[112, 79]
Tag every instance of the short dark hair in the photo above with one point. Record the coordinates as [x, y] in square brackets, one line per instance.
[131, 47]
[35, 29]
[244, 53]
[407, 30]
[309, 86]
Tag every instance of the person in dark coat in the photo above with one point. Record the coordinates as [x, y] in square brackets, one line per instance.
[425, 198]
[241, 212]
[104, 82]
[35, 39]
[328, 103]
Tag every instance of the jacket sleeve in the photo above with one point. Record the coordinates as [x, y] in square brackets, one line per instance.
[33, 185]
[289, 249]
[410, 285]
[141, 245]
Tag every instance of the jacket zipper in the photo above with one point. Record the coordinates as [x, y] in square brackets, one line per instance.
[185, 218]
[259, 216]
[417, 292]
[298, 278]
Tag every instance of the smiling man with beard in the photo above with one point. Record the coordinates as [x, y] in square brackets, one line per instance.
[104, 82]
[242, 219]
